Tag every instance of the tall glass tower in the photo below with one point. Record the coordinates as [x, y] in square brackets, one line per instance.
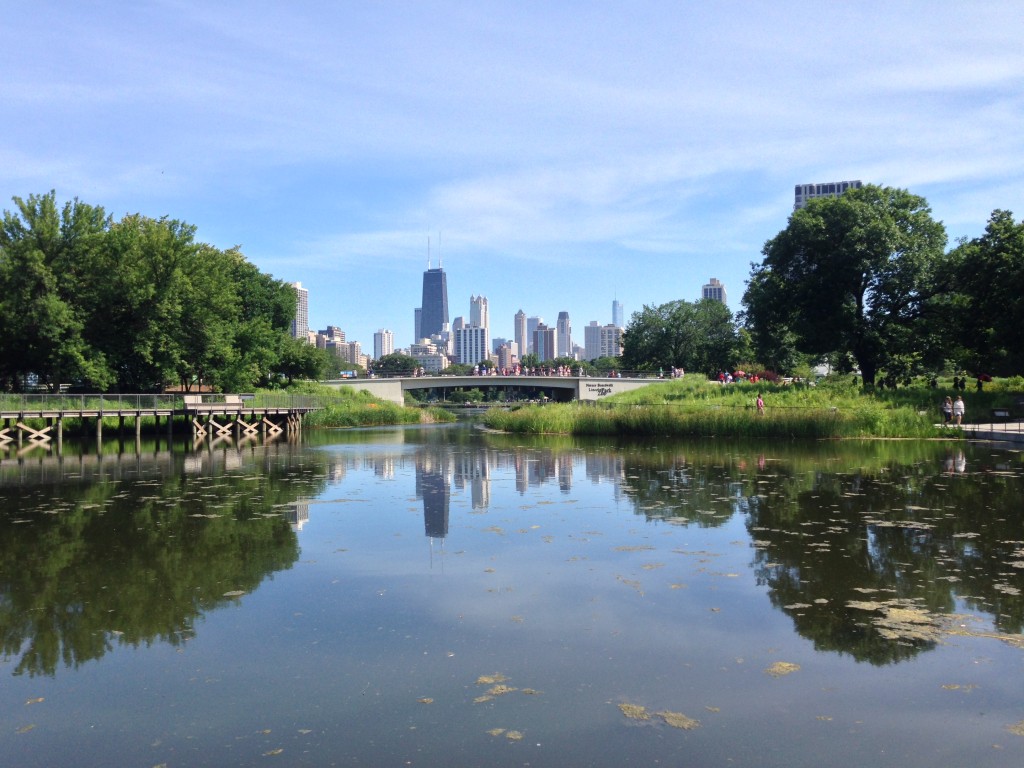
[434, 308]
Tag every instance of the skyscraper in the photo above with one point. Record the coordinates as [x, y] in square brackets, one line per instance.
[520, 332]
[478, 313]
[563, 336]
[532, 324]
[714, 290]
[805, 192]
[300, 325]
[434, 307]
[544, 342]
[617, 318]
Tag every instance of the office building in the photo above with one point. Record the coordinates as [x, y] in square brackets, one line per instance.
[383, 343]
[300, 325]
[519, 334]
[532, 324]
[544, 343]
[563, 336]
[617, 316]
[434, 306]
[714, 290]
[478, 314]
[805, 192]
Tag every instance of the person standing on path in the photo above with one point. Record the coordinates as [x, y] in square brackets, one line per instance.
[760, 405]
[959, 409]
[947, 409]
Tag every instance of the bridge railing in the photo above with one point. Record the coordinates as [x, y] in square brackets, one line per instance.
[412, 373]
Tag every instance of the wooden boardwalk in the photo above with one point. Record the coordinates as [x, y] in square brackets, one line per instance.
[207, 415]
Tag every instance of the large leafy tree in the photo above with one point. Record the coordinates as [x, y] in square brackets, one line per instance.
[44, 253]
[984, 300]
[698, 336]
[135, 304]
[849, 275]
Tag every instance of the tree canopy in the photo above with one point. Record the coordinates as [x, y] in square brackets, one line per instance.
[132, 305]
[983, 312]
[853, 275]
[698, 336]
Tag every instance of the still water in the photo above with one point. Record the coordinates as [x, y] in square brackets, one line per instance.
[445, 597]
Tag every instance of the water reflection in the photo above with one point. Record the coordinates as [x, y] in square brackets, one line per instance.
[105, 550]
[98, 551]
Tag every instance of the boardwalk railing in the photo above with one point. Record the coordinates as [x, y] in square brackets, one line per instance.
[72, 404]
[29, 404]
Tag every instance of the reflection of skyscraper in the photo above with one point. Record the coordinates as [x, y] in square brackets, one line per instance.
[432, 487]
[434, 307]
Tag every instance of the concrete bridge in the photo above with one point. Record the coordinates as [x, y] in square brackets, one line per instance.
[563, 388]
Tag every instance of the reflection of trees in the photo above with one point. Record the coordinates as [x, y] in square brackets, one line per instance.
[133, 562]
[896, 531]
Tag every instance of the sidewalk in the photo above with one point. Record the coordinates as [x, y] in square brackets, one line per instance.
[1007, 431]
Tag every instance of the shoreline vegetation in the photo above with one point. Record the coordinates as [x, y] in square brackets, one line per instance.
[694, 407]
[353, 407]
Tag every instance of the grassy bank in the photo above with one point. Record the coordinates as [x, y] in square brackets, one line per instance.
[694, 407]
[347, 407]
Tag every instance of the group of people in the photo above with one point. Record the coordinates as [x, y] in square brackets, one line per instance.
[953, 410]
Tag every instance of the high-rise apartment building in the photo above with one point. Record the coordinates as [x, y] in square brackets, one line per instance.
[300, 325]
[383, 343]
[471, 345]
[563, 336]
[434, 306]
[519, 334]
[805, 192]
[617, 317]
[602, 340]
[714, 289]
[478, 313]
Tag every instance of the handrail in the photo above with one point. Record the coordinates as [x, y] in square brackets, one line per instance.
[119, 403]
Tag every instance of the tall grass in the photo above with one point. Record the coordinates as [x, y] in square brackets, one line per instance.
[696, 408]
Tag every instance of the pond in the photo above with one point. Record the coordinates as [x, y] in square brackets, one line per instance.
[441, 596]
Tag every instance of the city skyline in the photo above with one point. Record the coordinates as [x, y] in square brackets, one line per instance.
[556, 156]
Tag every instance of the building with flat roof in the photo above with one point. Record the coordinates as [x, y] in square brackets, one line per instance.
[434, 304]
[805, 192]
[714, 289]
[300, 325]
[383, 343]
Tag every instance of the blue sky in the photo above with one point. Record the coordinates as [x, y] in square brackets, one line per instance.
[568, 153]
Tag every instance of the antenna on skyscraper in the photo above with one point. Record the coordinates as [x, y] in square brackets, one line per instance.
[428, 252]
[440, 258]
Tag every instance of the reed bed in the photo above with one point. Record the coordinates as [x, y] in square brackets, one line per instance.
[701, 409]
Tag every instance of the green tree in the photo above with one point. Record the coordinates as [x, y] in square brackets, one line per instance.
[850, 274]
[44, 253]
[984, 302]
[697, 336]
[396, 364]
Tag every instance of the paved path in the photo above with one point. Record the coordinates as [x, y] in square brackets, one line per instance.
[1009, 431]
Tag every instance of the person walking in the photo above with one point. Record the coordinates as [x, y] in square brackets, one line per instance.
[958, 409]
[947, 409]
[760, 405]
